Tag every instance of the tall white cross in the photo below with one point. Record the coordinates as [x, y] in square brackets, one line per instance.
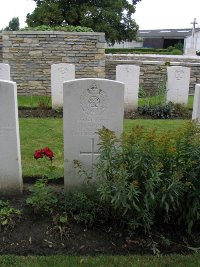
[193, 45]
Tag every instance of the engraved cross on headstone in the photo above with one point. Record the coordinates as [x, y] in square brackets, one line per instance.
[91, 153]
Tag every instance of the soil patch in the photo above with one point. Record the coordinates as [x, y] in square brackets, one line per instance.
[51, 113]
[40, 113]
[38, 235]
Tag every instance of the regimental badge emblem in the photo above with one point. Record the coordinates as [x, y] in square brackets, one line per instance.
[179, 74]
[93, 100]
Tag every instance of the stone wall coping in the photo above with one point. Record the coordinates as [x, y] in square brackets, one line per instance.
[52, 32]
[145, 62]
[153, 56]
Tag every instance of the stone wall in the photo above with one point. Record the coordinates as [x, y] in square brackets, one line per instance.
[153, 68]
[30, 55]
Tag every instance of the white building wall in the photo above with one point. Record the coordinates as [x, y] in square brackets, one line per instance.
[132, 44]
[188, 43]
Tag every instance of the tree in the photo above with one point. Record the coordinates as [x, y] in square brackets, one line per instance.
[114, 17]
[13, 24]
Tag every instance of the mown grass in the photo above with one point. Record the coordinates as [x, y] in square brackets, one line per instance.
[156, 99]
[101, 261]
[159, 125]
[34, 101]
[37, 133]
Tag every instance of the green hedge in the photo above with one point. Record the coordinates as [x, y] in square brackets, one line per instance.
[67, 28]
[142, 50]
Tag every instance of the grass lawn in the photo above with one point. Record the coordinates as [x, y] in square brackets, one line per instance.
[34, 101]
[101, 261]
[37, 133]
[38, 101]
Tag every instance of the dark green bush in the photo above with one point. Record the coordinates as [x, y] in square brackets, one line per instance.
[42, 198]
[179, 46]
[162, 111]
[143, 50]
[165, 111]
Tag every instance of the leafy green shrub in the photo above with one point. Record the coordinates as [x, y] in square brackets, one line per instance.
[8, 216]
[176, 52]
[177, 49]
[170, 48]
[67, 28]
[43, 198]
[85, 207]
[150, 179]
[181, 110]
[179, 46]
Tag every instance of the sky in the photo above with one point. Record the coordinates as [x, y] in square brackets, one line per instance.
[150, 14]
[15, 8]
[167, 14]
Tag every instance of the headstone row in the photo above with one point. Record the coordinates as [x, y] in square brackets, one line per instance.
[89, 105]
[177, 87]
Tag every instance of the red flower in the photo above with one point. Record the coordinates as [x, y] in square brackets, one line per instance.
[47, 152]
[38, 154]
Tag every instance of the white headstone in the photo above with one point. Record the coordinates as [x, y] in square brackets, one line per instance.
[196, 104]
[178, 81]
[129, 75]
[60, 73]
[10, 157]
[4, 72]
[89, 104]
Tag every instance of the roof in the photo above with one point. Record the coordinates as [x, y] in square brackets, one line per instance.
[168, 33]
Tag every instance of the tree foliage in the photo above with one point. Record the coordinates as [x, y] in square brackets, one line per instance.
[13, 24]
[114, 17]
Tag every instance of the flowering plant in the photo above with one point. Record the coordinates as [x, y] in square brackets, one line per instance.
[44, 152]
[52, 172]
